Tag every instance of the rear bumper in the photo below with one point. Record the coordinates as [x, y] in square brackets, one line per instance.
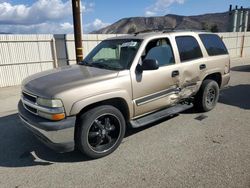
[225, 80]
[58, 135]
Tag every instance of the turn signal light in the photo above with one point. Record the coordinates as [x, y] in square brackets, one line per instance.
[54, 117]
[57, 117]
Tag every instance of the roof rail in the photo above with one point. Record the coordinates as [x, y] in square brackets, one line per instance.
[180, 30]
[153, 30]
[167, 30]
[145, 31]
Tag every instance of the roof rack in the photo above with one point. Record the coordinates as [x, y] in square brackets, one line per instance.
[154, 30]
[167, 30]
[180, 30]
[145, 31]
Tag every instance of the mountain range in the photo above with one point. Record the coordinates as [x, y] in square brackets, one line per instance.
[216, 22]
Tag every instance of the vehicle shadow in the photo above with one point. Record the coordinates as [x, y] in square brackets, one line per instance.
[243, 68]
[131, 131]
[20, 148]
[238, 96]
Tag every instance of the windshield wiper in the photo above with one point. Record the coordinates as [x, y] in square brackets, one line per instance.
[99, 65]
[104, 66]
[86, 63]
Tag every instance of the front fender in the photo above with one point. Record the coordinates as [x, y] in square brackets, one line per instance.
[79, 105]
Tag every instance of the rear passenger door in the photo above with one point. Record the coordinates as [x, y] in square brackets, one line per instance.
[217, 60]
[192, 65]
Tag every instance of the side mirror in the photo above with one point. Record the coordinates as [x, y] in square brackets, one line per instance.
[148, 64]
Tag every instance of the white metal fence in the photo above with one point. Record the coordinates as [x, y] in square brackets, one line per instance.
[238, 43]
[24, 55]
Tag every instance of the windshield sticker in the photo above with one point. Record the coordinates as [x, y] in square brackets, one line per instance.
[129, 44]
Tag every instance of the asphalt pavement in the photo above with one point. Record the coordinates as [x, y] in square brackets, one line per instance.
[189, 150]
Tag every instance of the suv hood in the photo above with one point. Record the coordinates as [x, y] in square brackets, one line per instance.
[49, 83]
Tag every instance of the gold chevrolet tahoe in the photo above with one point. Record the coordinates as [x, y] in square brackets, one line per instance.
[131, 80]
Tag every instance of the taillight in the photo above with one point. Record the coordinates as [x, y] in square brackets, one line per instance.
[227, 67]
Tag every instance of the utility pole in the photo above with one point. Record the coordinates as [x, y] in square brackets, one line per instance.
[76, 9]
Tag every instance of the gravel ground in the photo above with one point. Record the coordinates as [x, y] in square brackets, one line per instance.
[189, 150]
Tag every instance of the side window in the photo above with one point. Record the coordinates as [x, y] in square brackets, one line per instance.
[188, 47]
[213, 44]
[161, 51]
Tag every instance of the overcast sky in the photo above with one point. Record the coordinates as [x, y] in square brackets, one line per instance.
[55, 16]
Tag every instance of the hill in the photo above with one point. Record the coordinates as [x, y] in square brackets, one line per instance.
[217, 22]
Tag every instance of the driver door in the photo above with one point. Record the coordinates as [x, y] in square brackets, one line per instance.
[156, 89]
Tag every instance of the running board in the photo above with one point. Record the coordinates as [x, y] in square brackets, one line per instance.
[159, 115]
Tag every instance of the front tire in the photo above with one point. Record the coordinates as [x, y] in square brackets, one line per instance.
[207, 97]
[101, 131]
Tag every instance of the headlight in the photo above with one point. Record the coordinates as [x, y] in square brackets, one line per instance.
[52, 103]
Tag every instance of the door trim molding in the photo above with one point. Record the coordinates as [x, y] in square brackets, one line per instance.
[157, 95]
[189, 84]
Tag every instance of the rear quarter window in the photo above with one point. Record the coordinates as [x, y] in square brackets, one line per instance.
[188, 47]
[213, 44]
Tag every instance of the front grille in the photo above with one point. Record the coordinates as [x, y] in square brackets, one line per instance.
[30, 109]
[28, 101]
[30, 104]
[29, 97]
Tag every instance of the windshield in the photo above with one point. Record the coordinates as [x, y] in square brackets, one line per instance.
[113, 54]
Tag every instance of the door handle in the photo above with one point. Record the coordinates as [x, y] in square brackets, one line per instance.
[175, 73]
[203, 66]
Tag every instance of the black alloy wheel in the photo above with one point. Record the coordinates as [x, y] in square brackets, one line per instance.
[100, 131]
[104, 133]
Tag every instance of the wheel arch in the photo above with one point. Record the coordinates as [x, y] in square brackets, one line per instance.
[217, 77]
[116, 102]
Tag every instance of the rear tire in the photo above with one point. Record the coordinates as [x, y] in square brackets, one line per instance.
[101, 131]
[207, 97]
